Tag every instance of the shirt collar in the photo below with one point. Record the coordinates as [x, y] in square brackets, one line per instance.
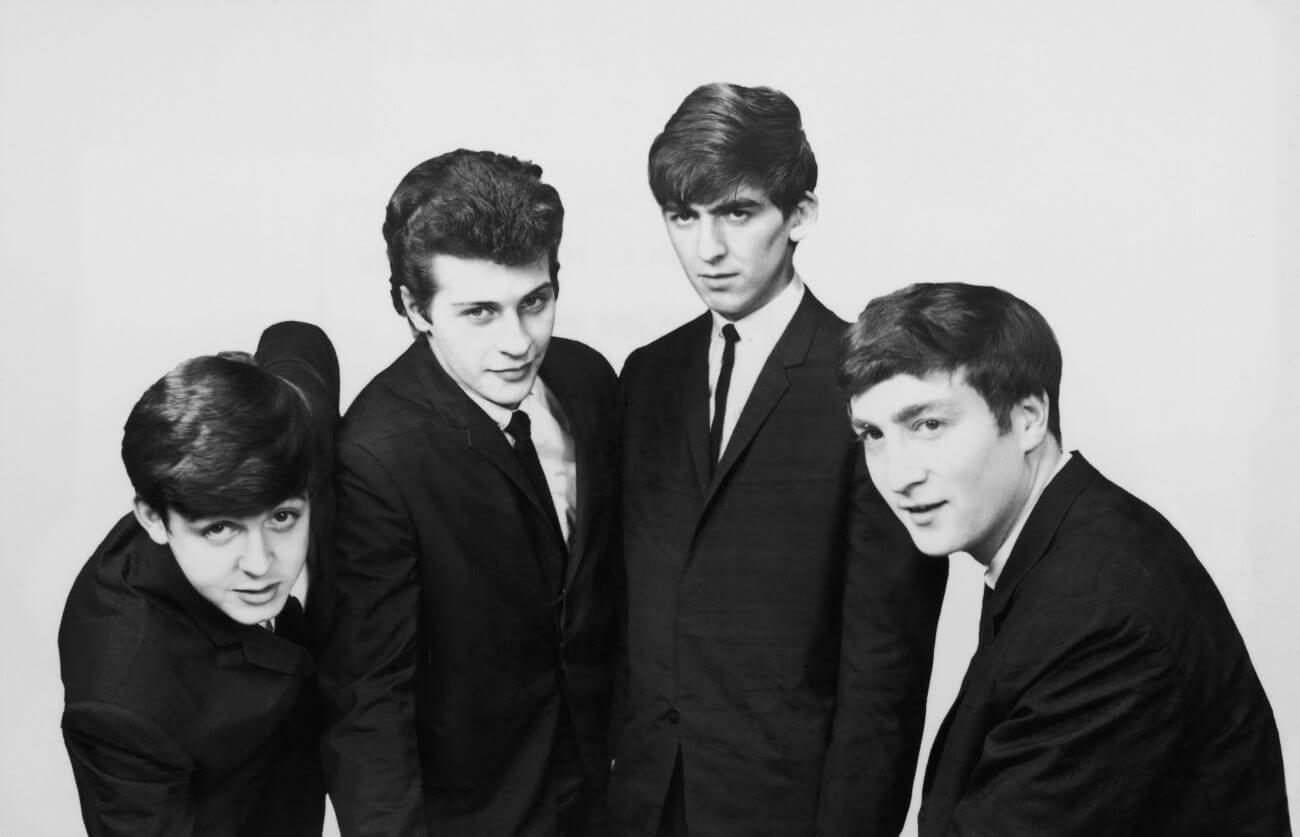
[501, 415]
[767, 323]
[1004, 551]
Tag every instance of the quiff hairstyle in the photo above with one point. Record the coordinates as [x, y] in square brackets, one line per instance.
[1002, 345]
[220, 436]
[471, 205]
[724, 137]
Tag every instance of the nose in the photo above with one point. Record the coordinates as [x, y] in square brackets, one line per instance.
[512, 337]
[709, 244]
[256, 557]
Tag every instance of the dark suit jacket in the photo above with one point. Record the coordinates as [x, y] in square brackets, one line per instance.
[1111, 692]
[179, 720]
[780, 625]
[458, 644]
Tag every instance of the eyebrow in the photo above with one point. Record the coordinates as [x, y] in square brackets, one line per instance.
[911, 411]
[732, 205]
[492, 303]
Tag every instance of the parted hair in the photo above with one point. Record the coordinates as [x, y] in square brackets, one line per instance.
[469, 204]
[219, 435]
[1002, 345]
[726, 136]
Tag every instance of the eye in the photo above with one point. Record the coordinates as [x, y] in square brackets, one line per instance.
[870, 437]
[477, 314]
[219, 532]
[282, 520]
[740, 216]
[535, 303]
[679, 217]
[926, 428]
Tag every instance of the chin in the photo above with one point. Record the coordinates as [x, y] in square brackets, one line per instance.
[934, 547]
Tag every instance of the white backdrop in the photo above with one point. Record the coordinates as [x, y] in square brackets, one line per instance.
[176, 175]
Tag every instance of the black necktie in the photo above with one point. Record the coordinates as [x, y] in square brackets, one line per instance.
[520, 429]
[730, 335]
[986, 616]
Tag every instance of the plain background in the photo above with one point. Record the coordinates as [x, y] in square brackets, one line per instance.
[176, 175]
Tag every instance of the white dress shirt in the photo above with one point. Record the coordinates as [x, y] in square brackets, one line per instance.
[758, 332]
[554, 443]
[1004, 552]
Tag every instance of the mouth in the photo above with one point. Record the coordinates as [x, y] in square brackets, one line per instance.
[922, 513]
[258, 595]
[514, 373]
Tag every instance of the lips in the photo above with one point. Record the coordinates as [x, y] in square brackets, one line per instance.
[922, 513]
[517, 373]
[258, 595]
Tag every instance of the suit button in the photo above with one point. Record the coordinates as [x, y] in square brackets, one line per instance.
[673, 715]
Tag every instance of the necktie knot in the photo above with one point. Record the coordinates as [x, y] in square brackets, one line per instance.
[729, 333]
[520, 426]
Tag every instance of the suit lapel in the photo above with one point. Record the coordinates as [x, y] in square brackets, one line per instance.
[580, 418]
[1039, 531]
[693, 395]
[482, 435]
[789, 351]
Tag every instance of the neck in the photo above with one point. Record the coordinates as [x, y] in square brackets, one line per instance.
[1041, 463]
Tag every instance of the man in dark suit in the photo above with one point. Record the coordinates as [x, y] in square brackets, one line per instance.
[1111, 692]
[469, 671]
[186, 662]
[779, 633]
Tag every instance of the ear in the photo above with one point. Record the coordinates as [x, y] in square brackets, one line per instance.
[413, 313]
[1029, 420]
[151, 521]
[803, 217]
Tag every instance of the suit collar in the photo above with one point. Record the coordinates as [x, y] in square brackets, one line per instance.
[452, 406]
[435, 388]
[155, 570]
[1040, 530]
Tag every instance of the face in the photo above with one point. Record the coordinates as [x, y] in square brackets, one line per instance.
[243, 565]
[489, 324]
[737, 252]
[937, 456]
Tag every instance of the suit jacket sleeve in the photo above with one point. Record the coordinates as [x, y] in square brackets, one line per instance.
[132, 777]
[892, 598]
[1088, 739]
[371, 758]
[301, 354]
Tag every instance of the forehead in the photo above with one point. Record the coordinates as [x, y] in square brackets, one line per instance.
[889, 400]
[458, 278]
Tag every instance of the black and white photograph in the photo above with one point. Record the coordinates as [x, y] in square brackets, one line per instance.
[576, 418]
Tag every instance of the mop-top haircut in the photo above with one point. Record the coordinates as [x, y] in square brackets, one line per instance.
[220, 436]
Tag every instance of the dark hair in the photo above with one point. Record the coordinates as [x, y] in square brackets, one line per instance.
[724, 137]
[1002, 344]
[473, 205]
[218, 435]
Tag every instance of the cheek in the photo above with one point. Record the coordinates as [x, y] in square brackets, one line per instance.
[540, 326]
[205, 568]
[681, 246]
[461, 349]
[291, 548]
